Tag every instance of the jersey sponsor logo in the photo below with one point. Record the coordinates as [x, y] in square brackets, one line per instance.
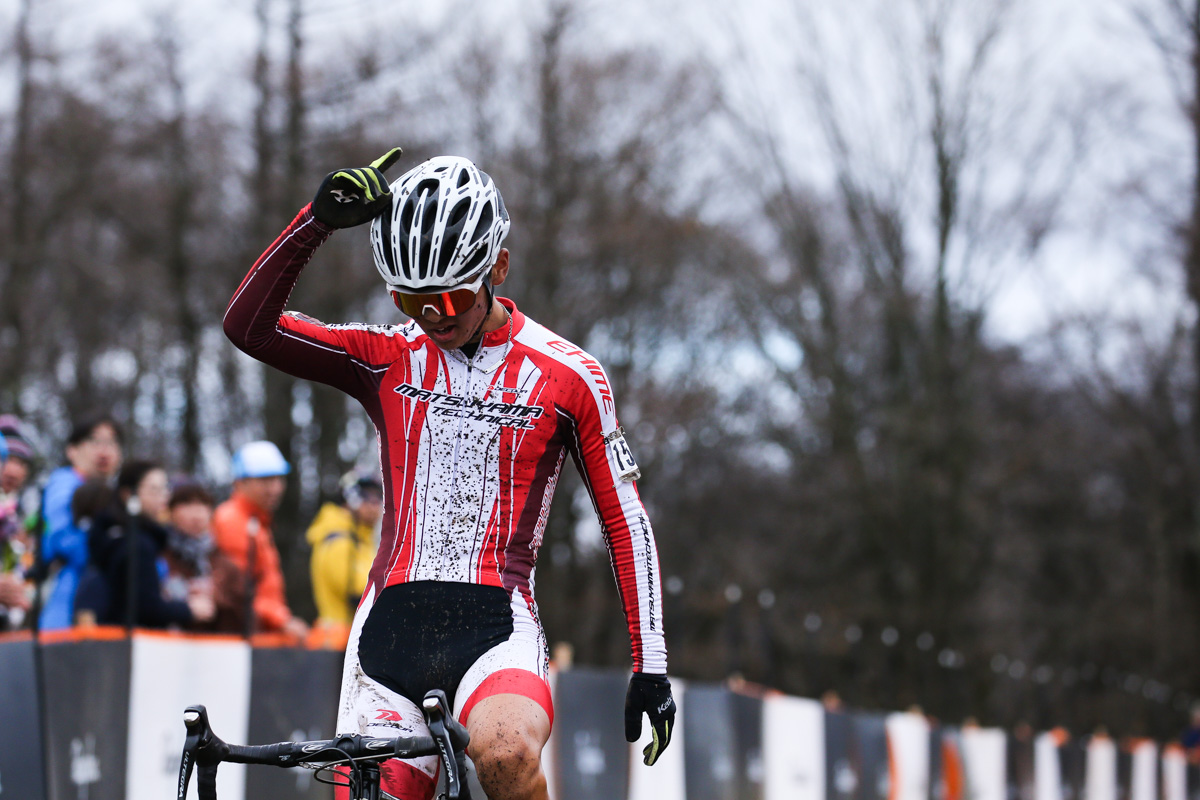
[507, 415]
[386, 330]
[592, 366]
[539, 529]
[649, 551]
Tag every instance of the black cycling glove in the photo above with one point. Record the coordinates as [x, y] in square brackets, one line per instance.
[651, 694]
[351, 197]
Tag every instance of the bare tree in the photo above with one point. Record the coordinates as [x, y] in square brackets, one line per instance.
[885, 260]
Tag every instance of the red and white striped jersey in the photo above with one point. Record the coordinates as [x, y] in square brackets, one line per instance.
[471, 450]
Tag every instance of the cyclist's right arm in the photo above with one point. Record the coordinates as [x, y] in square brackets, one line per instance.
[346, 358]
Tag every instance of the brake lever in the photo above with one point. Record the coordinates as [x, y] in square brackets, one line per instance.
[195, 719]
[201, 748]
[450, 735]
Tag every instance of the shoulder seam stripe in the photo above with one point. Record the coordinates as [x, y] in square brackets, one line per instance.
[357, 361]
[263, 260]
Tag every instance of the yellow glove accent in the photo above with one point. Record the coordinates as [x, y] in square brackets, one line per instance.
[651, 752]
[371, 180]
[387, 159]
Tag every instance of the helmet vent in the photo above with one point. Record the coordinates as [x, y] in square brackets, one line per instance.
[458, 213]
[406, 215]
[474, 262]
[484, 226]
[385, 235]
[429, 213]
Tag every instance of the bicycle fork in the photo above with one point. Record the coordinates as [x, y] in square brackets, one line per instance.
[368, 789]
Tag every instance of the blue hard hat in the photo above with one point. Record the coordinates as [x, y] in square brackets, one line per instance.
[260, 459]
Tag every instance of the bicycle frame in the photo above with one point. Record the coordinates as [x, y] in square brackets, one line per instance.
[203, 751]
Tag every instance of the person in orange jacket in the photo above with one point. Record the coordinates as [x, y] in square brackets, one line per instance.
[242, 533]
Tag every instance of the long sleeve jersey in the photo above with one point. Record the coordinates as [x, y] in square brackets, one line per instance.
[471, 449]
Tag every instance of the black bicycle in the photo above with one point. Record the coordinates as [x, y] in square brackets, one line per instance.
[204, 751]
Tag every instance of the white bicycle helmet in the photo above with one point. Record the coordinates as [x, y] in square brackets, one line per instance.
[444, 229]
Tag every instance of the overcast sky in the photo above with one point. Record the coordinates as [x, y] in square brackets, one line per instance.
[1085, 267]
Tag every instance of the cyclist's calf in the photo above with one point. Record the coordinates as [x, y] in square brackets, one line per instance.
[508, 733]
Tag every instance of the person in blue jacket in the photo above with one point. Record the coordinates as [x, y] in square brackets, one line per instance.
[93, 452]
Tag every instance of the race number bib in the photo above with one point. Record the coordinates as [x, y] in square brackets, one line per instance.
[618, 448]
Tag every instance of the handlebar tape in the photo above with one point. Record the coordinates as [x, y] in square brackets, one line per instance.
[206, 781]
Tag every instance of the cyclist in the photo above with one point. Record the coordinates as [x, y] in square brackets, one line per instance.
[476, 407]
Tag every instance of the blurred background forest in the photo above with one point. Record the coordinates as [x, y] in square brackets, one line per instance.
[899, 299]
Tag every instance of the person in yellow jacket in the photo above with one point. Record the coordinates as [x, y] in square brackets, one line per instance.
[344, 537]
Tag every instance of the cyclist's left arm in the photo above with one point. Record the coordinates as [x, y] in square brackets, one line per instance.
[609, 471]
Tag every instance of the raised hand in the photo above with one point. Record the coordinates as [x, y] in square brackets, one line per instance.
[350, 197]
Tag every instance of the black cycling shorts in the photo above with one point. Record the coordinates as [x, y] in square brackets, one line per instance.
[426, 634]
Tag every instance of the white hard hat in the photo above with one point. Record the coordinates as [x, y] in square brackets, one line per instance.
[259, 460]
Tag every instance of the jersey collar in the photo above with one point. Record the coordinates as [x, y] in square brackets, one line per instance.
[499, 336]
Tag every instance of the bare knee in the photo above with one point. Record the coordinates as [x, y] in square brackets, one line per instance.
[508, 764]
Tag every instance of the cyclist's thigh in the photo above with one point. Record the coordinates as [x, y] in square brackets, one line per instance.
[370, 708]
[367, 706]
[519, 665]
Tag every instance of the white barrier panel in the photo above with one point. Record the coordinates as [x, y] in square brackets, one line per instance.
[168, 675]
[1047, 767]
[908, 741]
[1101, 769]
[793, 749]
[665, 780]
[985, 755]
[1174, 772]
[1143, 784]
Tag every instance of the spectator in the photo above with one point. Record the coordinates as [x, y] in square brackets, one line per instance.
[1190, 739]
[14, 599]
[10, 520]
[133, 527]
[14, 475]
[242, 532]
[189, 553]
[15, 506]
[344, 538]
[16, 503]
[93, 453]
[92, 504]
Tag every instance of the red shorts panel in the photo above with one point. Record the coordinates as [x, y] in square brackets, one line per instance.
[511, 681]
